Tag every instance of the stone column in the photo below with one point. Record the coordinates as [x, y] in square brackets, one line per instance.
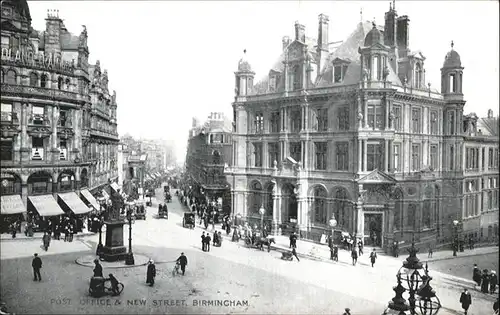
[365, 118]
[360, 155]
[265, 155]
[77, 180]
[23, 120]
[24, 192]
[389, 232]
[54, 184]
[386, 155]
[365, 147]
[302, 214]
[276, 214]
[360, 227]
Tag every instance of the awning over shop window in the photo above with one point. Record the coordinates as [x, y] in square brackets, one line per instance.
[12, 204]
[74, 203]
[115, 186]
[45, 205]
[105, 194]
[90, 199]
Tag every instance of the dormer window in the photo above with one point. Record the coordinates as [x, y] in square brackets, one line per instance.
[339, 70]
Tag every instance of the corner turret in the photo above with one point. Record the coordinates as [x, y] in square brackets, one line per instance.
[244, 77]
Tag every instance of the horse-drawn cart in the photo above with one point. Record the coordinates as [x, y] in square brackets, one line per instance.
[188, 220]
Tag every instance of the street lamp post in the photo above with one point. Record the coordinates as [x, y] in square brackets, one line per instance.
[398, 305]
[262, 211]
[99, 246]
[333, 224]
[455, 238]
[129, 259]
[411, 275]
[428, 302]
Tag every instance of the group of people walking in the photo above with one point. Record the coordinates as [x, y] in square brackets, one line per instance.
[486, 280]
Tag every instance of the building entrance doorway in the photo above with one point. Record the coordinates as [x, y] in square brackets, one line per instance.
[373, 228]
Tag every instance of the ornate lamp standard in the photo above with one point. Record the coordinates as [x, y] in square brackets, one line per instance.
[129, 258]
[262, 211]
[99, 246]
[455, 238]
[411, 274]
[398, 305]
[332, 223]
[428, 302]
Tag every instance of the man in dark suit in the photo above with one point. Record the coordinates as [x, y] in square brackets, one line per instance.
[183, 261]
[203, 242]
[465, 300]
[207, 242]
[37, 265]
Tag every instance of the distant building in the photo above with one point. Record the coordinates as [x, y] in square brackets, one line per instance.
[209, 151]
[354, 132]
[58, 120]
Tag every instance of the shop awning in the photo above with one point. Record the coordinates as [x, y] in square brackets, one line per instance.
[74, 203]
[115, 186]
[90, 199]
[45, 205]
[12, 204]
[105, 195]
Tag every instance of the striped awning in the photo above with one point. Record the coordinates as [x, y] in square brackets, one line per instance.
[74, 203]
[45, 205]
[12, 204]
[115, 186]
[90, 199]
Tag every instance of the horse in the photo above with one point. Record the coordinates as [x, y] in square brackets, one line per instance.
[259, 243]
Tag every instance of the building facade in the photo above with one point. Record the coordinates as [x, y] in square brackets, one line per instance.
[209, 152]
[355, 132]
[58, 121]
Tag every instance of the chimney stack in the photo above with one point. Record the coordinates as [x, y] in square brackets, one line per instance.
[285, 42]
[300, 32]
[490, 113]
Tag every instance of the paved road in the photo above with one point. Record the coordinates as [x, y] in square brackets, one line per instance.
[267, 282]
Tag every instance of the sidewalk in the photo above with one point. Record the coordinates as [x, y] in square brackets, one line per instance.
[322, 252]
[38, 235]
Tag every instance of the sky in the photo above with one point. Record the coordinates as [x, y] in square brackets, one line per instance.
[170, 61]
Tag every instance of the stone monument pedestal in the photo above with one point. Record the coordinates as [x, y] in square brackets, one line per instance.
[113, 249]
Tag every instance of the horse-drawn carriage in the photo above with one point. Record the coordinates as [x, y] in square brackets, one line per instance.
[140, 209]
[188, 220]
[168, 196]
[259, 242]
[162, 212]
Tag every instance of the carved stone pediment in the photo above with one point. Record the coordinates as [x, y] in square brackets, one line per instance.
[377, 177]
[289, 167]
[295, 51]
[39, 130]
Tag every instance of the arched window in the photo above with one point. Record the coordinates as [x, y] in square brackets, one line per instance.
[296, 78]
[216, 155]
[255, 198]
[341, 207]
[43, 80]
[398, 210]
[60, 83]
[319, 204]
[67, 84]
[11, 77]
[427, 208]
[375, 69]
[418, 76]
[33, 79]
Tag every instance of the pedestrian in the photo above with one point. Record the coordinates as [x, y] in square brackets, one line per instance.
[203, 242]
[331, 251]
[71, 232]
[431, 251]
[46, 240]
[293, 240]
[219, 239]
[235, 236]
[493, 282]
[97, 269]
[354, 256]
[476, 275]
[183, 261]
[37, 265]
[465, 300]
[207, 242]
[151, 273]
[396, 249]
[347, 311]
[495, 307]
[215, 238]
[294, 253]
[373, 257]
[66, 232]
[485, 277]
[360, 247]
[335, 253]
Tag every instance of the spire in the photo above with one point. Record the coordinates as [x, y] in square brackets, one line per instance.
[361, 15]
[452, 44]
[394, 4]
[390, 6]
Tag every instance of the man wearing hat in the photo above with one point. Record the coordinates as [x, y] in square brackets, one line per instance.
[37, 265]
[465, 300]
[97, 269]
[151, 273]
[493, 282]
[183, 261]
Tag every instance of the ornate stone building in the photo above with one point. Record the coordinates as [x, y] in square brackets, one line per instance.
[58, 120]
[356, 132]
[209, 152]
